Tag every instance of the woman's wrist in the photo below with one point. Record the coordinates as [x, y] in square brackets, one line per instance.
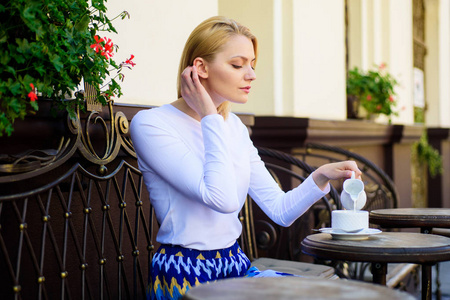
[320, 179]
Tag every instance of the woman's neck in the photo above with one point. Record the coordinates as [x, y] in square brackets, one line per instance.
[184, 107]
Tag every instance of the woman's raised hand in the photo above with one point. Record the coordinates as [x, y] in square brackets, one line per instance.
[195, 94]
[338, 170]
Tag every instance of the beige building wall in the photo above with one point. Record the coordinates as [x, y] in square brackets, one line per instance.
[444, 71]
[400, 60]
[380, 31]
[437, 62]
[258, 15]
[319, 59]
[155, 33]
[301, 63]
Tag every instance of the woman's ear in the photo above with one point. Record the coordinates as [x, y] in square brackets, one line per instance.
[202, 68]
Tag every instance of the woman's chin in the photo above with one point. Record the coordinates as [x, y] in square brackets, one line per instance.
[239, 101]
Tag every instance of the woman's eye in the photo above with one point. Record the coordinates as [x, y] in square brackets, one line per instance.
[236, 66]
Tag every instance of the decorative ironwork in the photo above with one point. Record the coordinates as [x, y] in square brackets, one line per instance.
[35, 162]
[75, 222]
[31, 160]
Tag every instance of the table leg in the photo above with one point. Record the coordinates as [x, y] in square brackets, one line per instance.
[379, 271]
[438, 284]
[426, 281]
[428, 230]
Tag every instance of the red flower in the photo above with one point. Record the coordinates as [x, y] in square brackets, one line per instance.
[108, 95]
[97, 46]
[130, 62]
[32, 95]
[391, 98]
[378, 106]
[107, 55]
[369, 97]
[108, 50]
[108, 45]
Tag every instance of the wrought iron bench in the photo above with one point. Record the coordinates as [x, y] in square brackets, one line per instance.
[75, 220]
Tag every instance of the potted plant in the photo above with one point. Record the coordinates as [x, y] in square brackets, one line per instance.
[48, 49]
[372, 92]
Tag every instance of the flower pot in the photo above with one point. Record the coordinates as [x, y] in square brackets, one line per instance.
[353, 107]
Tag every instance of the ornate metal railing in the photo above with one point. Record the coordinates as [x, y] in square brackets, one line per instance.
[75, 220]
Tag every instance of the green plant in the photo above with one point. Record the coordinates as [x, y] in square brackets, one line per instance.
[47, 48]
[428, 155]
[374, 90]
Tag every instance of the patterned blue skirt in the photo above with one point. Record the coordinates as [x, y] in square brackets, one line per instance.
[176, 269]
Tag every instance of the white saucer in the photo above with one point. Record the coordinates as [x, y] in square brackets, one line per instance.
[340, 235]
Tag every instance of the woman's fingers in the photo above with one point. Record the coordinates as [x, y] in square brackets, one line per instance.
[350, 166]
[338, 170]
[195, 94]
[186, 82]
[195, 78]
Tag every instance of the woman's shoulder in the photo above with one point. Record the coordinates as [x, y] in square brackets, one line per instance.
[153, 117]
[235, 121]
[150, 116]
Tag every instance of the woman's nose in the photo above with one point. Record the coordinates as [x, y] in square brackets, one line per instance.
[251, 75]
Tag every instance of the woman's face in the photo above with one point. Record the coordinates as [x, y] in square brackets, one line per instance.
[231, 72]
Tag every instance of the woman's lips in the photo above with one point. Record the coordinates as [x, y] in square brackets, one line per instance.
[246, 89]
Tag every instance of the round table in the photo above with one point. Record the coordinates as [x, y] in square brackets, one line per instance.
[384, 248]
[429, 220]
[423, 218]
[284, 288]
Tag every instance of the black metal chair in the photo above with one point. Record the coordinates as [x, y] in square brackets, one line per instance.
[263, 238]
[379, 187]
[270, 246]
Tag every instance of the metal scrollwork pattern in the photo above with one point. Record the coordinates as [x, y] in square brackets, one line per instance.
[115, 128]
[113, 136]
[76, 221]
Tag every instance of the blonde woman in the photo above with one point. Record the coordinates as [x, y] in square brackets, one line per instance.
[199, 164]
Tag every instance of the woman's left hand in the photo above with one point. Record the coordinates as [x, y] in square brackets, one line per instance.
[195, 94]
[332, 171]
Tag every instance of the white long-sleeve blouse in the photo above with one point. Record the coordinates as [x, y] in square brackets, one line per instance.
[199, 173]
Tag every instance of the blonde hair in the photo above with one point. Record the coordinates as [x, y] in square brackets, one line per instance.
[206, 40]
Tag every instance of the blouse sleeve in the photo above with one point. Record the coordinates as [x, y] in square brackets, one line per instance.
[282, 208]
[210, 180]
